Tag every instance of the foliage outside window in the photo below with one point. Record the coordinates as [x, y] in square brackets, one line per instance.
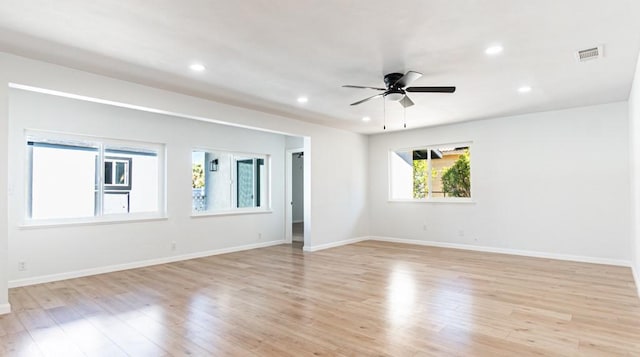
[227, 181]
[433, 172]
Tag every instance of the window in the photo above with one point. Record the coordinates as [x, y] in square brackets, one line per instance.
[117, 173]
[73, 178]
[433, 172]
[227, 181]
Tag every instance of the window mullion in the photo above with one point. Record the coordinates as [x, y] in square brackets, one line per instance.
[100, 181]
[429, 179]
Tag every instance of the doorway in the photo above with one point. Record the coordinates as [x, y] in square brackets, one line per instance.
[295, 198]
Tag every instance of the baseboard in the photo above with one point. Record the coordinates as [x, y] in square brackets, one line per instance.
[134, 265]
[315, 248]
[527, 253]
[5, 308]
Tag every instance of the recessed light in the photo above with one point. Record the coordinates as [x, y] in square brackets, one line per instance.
[366, 118]
[197, 67]
[303, 99]
[524, 89]
[493, 50]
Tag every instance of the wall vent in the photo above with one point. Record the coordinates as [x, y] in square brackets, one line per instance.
[589, 54]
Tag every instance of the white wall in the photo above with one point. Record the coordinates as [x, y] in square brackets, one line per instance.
[72, 248]
[297, 188]
[337, 196]
[634, 137]
[4, 193]
[554, 182]
[294, 142]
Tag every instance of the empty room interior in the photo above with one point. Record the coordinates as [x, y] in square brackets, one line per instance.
[280, 178]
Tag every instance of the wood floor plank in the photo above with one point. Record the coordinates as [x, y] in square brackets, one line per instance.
[369, 298]
[19, 344]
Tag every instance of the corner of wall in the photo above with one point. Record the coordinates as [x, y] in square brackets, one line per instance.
[4, 170]
[634, 163]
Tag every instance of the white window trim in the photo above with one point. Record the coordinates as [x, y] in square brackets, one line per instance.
[233, 210]
[428, 199]
[100, 218]
[91, 221]
[238, 211]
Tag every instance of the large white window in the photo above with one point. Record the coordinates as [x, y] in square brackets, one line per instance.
[73, 178]
[439, 172]
[227, 181]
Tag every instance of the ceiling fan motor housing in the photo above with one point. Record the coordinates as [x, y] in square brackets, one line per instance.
[394, 92]
[391, 78]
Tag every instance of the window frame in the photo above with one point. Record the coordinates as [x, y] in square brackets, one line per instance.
[428, 198]
[265, 207]
[102, 144]
[128, 173]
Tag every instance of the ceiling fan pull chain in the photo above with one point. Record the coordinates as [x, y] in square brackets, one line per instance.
[404, 112]
[384, 114]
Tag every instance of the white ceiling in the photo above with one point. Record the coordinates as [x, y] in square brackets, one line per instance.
[263, 54]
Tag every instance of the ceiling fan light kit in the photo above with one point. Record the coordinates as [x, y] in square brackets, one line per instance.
[397, 87]
[395, 96]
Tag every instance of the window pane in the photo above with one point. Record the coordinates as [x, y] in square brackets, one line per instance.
[120, 173]
[451, 172]
[420, 173]
[246, 183]
[223, 181]
[211, 181]
[199, 203]
[73, 178]
[136, 182]
[63, 180]
[108, 173]
[402, 174]
[442, 171]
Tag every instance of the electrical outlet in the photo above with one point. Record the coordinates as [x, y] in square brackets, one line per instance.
[424, 227]
[461, 233]
[173, 245]
[22, 266]
[259, 236]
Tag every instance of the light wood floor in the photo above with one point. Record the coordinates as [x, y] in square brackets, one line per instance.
[365, 299]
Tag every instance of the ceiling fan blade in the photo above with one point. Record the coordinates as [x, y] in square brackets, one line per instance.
[362, 87]
[368, 99]
[431, 89]
[407, 79]
[406, 101]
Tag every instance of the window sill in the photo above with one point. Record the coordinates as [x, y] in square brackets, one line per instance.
[435, 200]
[229, 213]
[92, 222]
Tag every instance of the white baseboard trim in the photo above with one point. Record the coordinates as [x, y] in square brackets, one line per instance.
[134, 265]
[315, 248]
[5, 308]
[527, 253]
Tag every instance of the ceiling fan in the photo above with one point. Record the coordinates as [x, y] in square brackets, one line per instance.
[397, 88]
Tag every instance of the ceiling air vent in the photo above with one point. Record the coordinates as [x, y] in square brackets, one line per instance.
[589, 54]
